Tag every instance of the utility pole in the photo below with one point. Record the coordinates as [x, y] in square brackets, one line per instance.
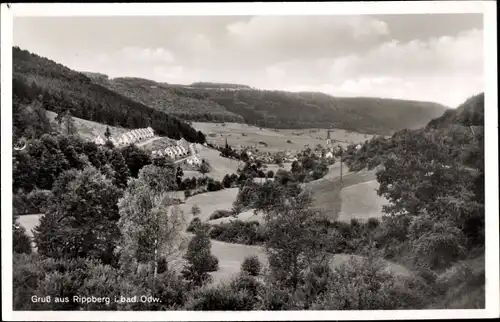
[341, 154]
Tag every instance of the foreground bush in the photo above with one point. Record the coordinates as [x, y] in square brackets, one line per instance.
[251, 265]
[366, 285]
[221, 298]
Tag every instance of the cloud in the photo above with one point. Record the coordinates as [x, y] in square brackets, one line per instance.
[147, 54]
[460, 55]
[271, 38]
[428, 57]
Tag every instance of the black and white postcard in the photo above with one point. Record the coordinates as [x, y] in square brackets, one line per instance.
[249, 161]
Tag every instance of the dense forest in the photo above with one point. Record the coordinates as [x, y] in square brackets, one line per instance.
[61, 89]
[279, 109]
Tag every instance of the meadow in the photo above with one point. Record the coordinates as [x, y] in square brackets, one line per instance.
[277, 140]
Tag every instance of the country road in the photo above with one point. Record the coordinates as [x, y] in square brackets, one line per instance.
[139, 144]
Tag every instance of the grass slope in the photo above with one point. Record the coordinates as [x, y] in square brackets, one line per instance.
[88, 129]
[220, 166]
[326, 192]
[361, 201]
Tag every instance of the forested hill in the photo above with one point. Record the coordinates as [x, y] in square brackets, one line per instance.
[171, 99]
[457, 133]
[280, 109]
[469, 113]
[60, 89]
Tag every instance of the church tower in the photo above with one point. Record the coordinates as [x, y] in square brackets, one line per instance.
[328, 140]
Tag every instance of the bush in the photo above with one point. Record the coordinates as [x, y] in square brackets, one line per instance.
[251, 265]
[195, 210]
[214, 185]
[220, 298]
[213, 264]
[248, 283]
[270, 174]
[366, 285]
[220, 214]
[170, 289]
[239, 232]
[194, 224]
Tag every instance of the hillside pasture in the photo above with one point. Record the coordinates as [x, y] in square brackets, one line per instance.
[220, 166]
[209, 202]
[326, 192]
[248, 135]
[87, 129]
[361, 201]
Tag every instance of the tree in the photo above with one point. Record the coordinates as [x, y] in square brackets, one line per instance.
[81, 221]
[135, 158]
[204, 167]
[120, 168]
[107, 134]
[68, 123]
[292, 242]
[179, 174]
[150, 226]
[251, 265]
[227, 181]
[200, 260]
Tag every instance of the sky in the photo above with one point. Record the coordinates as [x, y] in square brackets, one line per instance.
[428, 57]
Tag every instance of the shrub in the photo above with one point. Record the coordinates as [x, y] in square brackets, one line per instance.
[214, 185]
[220, 214]
[187, 194]
[251, 265]
[194, 224]
[213, 264]
[247, 283]
[270, 174]
[366, 285]
[195, 210]
[239, 232]
[170, 289]
[220, 298]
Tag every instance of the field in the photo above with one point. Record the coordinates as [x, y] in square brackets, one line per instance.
[210, 202]
[220, 166]
[361, 201]
[326, 192]
[248, 135]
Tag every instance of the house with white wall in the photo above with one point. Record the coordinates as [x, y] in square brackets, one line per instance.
[193, 160]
